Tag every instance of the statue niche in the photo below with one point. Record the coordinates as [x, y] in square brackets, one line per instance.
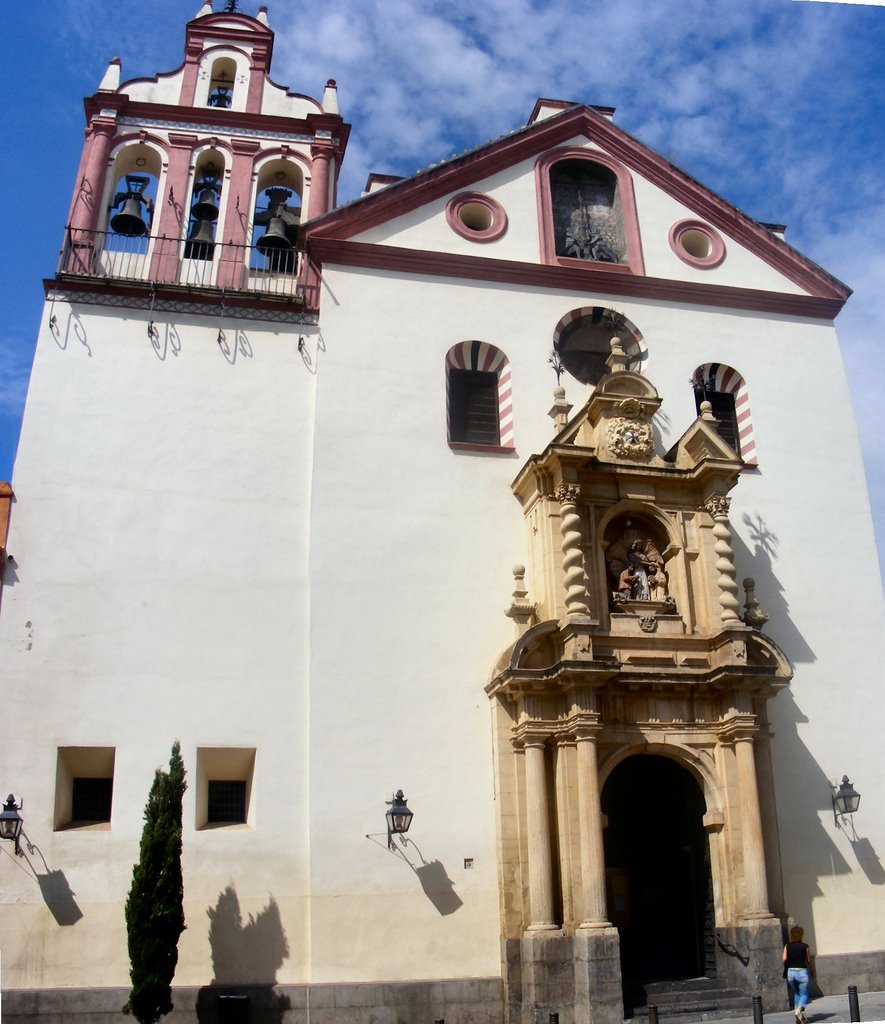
[636, 567]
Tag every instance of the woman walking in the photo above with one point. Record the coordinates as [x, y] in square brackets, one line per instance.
[797, 965]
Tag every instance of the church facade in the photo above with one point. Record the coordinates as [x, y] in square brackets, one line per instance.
[528, 486]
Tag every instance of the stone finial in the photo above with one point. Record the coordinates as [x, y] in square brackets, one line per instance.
[262, 15]
[205, 9]
[707, 412]
[617, 361]
[521, 610]
[330, 97]
[753, 616]
[111, 79]
[560, 409]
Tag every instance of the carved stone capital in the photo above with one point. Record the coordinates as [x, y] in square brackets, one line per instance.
[717, 505]
[567, 494]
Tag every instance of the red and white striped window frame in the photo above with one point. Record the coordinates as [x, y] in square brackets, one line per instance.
[726, 380]
[479, 355]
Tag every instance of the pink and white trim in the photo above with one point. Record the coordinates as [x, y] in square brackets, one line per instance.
[726, 380]
[479, 355]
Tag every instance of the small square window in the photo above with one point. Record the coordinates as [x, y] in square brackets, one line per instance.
[84, 787]
[226, 802]
[224, 787]
[91, 800]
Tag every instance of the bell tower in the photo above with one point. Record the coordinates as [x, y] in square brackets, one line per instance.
[199, 179]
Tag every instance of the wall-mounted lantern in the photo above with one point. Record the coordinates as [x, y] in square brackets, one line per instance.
[399, 818]
[11, 823]
[846, 801]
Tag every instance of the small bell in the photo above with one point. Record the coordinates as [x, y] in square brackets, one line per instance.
[274, 239]
[200, 244]
[206, 207]
[129, 220]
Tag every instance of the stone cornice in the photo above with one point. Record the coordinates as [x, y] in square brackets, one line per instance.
[578, 279]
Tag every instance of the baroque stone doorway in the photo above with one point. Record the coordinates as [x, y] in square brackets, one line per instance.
[658, 873]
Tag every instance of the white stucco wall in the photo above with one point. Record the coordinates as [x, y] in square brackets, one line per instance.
[159, 591]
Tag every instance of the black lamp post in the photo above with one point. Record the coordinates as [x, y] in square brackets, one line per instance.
[11, 823]
[399, 818]
[846, 800]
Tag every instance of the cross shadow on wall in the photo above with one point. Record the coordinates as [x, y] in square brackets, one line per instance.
[245, 959]
[770, 593]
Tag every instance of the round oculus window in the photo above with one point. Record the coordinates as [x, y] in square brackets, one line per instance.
[697, 244]
[476, 216]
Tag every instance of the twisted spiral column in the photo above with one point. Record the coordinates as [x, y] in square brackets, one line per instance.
[577, 600]
[717, 506]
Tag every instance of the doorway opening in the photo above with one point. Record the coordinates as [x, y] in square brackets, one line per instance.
[660, 894]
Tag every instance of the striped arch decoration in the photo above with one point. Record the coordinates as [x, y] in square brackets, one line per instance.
[630, 335]
[479, 355]
[726, 380]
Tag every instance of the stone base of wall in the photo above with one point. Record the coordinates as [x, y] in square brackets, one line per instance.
[576, 976]
[457, 1001]
[748, 959]
[837, 971]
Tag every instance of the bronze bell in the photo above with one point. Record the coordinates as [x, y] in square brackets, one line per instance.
[274, 239]
[200, 244]
[206, 207]
[129, 220]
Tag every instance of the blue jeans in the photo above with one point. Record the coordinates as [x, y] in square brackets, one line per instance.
[797, 980]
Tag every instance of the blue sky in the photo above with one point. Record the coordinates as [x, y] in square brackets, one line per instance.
[775, 104]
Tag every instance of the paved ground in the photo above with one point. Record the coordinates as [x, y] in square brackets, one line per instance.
[826, 1010]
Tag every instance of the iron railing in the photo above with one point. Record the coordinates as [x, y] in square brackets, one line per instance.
[174, 261]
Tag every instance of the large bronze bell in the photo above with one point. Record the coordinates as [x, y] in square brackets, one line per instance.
[200, 244]
[206, 207]
[274, 240]
[129, 220]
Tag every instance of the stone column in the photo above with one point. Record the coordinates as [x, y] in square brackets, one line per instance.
[590, 817]
[171, 217]
[577, 600]
[717, 506]
[85, 215]
[238, 202]
[538, 834]
[319, 179]
[756, 900]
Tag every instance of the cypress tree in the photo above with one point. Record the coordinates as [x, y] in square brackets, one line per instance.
[155, 907]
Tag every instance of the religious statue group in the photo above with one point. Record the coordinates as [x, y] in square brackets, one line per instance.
[638, 566]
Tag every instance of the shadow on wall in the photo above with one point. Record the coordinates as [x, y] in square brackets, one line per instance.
[769, 591]
[54, 887]
[435, 882]
[245, 961]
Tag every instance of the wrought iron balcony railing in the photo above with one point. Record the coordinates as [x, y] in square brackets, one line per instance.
[174, 261]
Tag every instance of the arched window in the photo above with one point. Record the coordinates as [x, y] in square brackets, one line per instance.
[582, 340]
[132, 200]
[277, 216]
[204, 206]
[478, 392]
[726, 391]
[587, 211]
[221, 83]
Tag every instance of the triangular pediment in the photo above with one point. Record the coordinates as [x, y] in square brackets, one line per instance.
[406, 222]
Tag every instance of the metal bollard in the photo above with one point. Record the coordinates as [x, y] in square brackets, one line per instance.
[758, 1016]
[553, 1018]
[853, 1005]
[652, 1014]
[440, 1020]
